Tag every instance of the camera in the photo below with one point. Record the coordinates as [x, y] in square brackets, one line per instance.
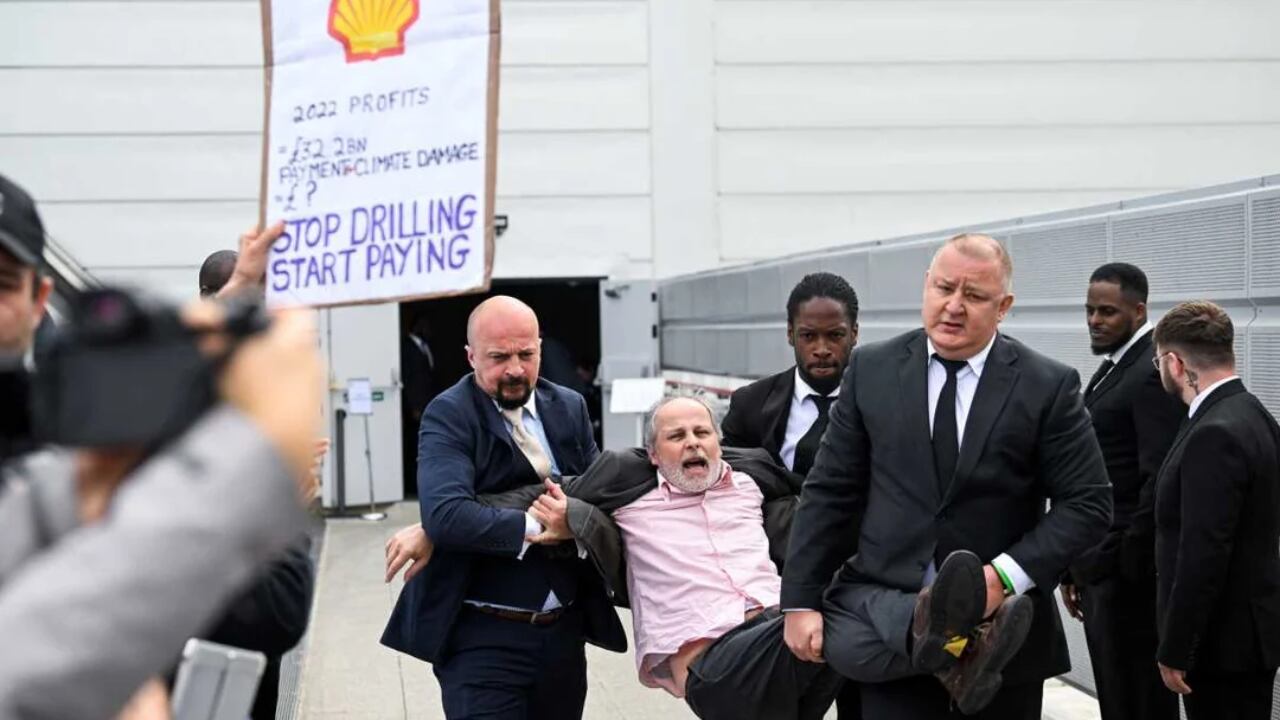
[127, 371]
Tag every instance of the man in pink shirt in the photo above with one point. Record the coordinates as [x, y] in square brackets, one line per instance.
[704, 592]
[696, 540]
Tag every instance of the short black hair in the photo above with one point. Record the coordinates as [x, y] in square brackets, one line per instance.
[823, 285]
[1130, 278]
[216, 271]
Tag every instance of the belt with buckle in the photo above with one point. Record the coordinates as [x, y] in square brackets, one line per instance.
[521, 616]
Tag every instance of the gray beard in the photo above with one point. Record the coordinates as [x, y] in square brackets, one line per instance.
[675, 476]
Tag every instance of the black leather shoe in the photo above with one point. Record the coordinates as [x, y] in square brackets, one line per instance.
[974, 681]
[947, 610]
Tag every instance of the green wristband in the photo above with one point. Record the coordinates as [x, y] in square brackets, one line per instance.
[1008, 585]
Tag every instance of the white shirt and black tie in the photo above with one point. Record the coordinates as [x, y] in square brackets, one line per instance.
[967, 377]
[806, 422]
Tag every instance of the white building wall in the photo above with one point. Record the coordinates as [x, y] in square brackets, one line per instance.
[848, 121]
[137, 125]
[645, 137]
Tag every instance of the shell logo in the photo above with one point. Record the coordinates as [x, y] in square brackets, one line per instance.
[371, 29]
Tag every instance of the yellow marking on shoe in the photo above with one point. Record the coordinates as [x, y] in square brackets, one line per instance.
[956, 645]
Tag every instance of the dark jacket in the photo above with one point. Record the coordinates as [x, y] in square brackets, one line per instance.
[1217, 529]
[619, 478]
[758, 414]
[872, 508]
[465, 450]
[1135, 421]
[271, 617]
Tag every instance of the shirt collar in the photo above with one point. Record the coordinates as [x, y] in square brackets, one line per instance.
[976, 363]
[727, 475]
[1118, 355]
[803, 390]
[1204, 394]
[531, 405]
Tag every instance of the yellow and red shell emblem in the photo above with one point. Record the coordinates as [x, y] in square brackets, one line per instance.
[370, 29]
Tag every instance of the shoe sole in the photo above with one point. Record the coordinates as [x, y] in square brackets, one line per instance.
[960, 580]
[1015, 623]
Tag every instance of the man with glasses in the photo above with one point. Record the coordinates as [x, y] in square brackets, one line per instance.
[1217, 516]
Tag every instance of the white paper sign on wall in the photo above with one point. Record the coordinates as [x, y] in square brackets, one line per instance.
[380, 148]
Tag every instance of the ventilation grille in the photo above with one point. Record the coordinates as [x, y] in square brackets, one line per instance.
[1188, 253]
[1055, 264]
[1265, 263]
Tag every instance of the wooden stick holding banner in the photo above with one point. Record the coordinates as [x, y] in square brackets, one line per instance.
[380, 148]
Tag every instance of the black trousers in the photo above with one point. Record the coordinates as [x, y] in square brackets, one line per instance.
[750, 674]
[1120, 628]
[849, 702]
[924, 698]
[1242, 696]
[498, 669]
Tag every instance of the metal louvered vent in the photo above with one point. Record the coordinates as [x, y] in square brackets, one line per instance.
[1055, 264]
[1069, 346]
[1265, 245]
[852, 266]
[896, 276]
[1264, 378]
[1186, 253]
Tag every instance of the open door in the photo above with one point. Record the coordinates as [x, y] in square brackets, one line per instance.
[628, 348]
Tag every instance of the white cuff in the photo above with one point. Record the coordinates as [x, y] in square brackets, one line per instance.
[531, 527]
[1012, 570]
[582, 549]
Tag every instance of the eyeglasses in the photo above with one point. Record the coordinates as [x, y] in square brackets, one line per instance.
[1155, 361]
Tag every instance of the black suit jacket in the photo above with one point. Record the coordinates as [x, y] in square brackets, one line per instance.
[271, 617]
[1217, 532]
[1135, 421]
[464, 450]
[758, 414]
[871, 500]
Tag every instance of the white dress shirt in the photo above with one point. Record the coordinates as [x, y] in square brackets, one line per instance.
[804, 413]
[1204, 394]
[966, 387]
[533, 425]
[1115, 357]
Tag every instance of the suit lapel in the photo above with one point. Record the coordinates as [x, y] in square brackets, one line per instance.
[994, 387]
[775, 411]
[556, 424]
[913, 384]
[1234, 387]
[1113, 378]
[489, 411]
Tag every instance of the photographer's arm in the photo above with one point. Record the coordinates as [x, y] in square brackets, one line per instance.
[89, 620]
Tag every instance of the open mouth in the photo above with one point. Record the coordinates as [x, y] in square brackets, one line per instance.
[696, 464]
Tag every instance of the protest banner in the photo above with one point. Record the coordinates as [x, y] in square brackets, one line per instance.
[380, 148]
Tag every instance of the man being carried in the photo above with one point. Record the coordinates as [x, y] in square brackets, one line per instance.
[704, 590]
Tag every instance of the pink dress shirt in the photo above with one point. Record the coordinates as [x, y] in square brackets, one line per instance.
[695, 564]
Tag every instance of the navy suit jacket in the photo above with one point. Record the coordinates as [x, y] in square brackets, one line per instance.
[465, 450]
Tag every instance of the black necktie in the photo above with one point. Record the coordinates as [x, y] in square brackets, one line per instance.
[807, 448]
[946, 439]
[1102, 371]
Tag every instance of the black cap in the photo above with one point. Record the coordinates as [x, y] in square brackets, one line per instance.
[21, 232]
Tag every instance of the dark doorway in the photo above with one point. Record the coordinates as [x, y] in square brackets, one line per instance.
[568, 313]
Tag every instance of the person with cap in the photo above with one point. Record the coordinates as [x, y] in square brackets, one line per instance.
[92, 602]
[24, 294]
